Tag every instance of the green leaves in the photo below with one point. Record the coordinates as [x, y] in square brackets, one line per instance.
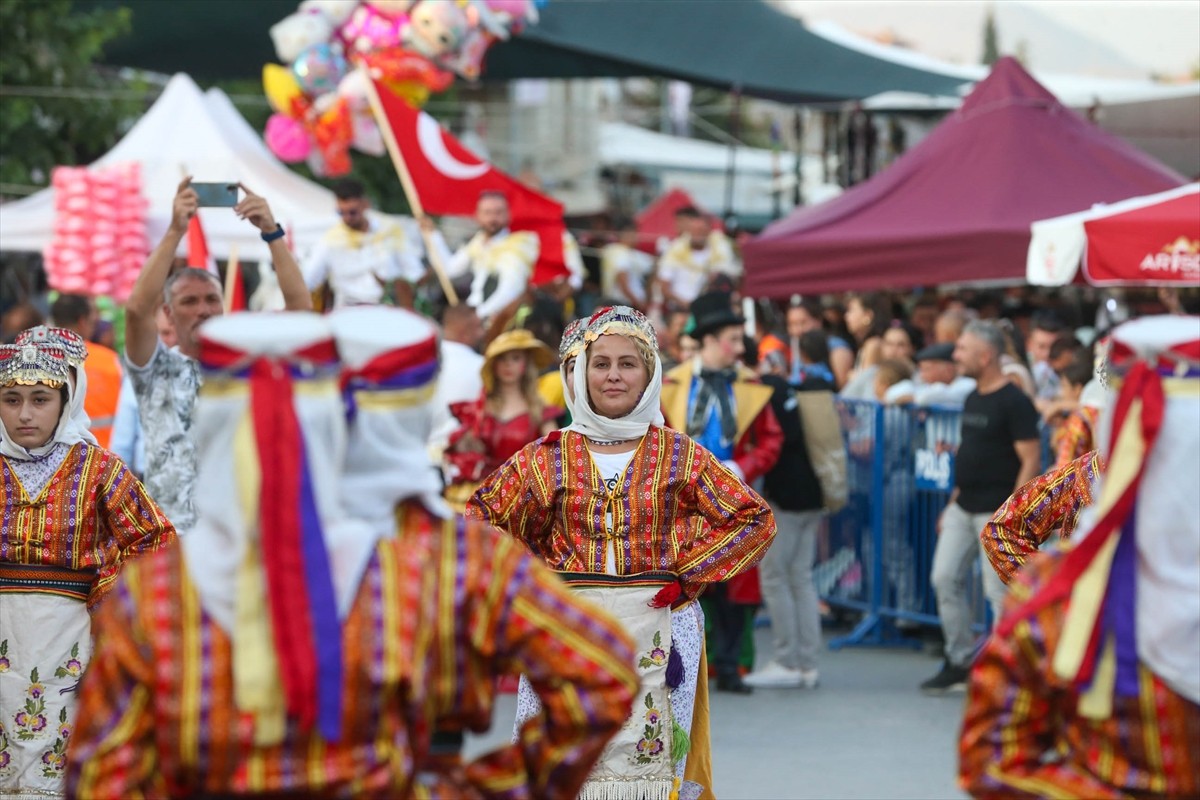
[53, 108]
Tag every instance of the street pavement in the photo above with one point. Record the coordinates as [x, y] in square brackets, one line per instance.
[865, 732]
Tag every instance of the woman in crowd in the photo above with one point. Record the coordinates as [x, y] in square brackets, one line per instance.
[805, 317]
[867, 316]
[623, 506]
[509, 415]
[73, 515]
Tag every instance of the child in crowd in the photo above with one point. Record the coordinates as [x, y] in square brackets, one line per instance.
[893, 381]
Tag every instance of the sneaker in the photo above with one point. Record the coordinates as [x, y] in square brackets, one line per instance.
[952, 678]
[775, 676]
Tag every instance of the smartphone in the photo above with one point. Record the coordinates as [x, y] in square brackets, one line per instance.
[217, 195]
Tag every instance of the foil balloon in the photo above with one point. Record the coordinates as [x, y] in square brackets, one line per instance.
[319, 68]
[281, 89]
[287, 138]
[368, 29]
[397, 67]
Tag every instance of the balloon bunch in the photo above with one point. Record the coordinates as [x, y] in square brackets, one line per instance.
[100, 242]
[413, 47]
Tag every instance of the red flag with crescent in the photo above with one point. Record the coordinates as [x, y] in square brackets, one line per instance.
[449, 178]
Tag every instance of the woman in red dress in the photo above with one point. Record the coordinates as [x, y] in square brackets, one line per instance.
[507, 416]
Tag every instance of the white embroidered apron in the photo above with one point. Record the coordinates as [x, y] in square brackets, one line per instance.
[45, 644]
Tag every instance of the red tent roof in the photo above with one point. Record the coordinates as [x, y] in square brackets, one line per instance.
[958, 206]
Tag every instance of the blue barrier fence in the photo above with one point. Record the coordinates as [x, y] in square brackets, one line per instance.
[878, 551]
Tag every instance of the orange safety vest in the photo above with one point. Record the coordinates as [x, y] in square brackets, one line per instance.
[103, 368]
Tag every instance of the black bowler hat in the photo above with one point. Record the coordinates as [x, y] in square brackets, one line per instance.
[711, 312]
[936, 352]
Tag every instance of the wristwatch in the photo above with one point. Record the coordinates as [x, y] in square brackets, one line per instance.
[278, 233]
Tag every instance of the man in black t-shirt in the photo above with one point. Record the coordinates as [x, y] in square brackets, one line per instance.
[999, 451]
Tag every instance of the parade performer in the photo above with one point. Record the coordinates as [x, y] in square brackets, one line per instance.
[299, 638]
[1052, 502]
[493, 609]
[694, 258]
[74, 515]
[639, 518]
[507, 416]
[1090, 683]
[726, 409]
[500, 261]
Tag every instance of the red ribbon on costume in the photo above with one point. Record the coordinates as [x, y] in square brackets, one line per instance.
[215, 355]
[1141, 382]
[387, 364]
[277, 434]
[1121, 354]
[666, 596]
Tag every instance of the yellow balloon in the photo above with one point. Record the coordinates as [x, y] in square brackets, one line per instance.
[279, 84]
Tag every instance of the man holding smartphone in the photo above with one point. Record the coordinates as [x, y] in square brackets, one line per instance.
[166, 381]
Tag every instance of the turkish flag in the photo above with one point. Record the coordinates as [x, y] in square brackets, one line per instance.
[449, 178]
[197, 247]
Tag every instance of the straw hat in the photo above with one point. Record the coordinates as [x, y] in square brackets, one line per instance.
[520, 339]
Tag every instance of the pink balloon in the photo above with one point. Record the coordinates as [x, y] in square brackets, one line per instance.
[287, 138]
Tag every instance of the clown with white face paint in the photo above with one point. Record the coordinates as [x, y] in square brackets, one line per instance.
[638, 519]
[77, 515]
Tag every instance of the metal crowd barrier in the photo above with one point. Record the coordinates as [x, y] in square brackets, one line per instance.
[877, 552]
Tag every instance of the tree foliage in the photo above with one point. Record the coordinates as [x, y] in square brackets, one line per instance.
[50, 49]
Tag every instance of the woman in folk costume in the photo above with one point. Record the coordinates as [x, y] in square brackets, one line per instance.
[639, 519]
[489, 608]
[1090, 683]
[266, 653]
[509, 414]
[73, 515]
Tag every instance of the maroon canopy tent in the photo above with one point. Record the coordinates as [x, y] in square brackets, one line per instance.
[958, 206]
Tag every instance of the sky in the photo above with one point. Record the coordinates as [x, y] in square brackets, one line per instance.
[1128, 38]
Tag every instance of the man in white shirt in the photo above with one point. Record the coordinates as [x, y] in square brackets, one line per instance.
[363, 254]
[500, 261]
[692, 260]
[624, 270]
[938, 380]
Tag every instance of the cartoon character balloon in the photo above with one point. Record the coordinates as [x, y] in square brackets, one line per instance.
[414, 48]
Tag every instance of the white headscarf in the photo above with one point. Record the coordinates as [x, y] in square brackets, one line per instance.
[633, 425]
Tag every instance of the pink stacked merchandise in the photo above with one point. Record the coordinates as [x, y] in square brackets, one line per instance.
[100, 240]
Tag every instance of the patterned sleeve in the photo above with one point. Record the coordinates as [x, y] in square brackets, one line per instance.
[578, 661]
[735, 527]
[134, 521]
[112, 751]
[514, 498]
[1011, 720]
[1074, 440]
[1035, 511]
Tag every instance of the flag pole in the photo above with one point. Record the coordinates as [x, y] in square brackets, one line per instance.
[231, 275]
[410, 191]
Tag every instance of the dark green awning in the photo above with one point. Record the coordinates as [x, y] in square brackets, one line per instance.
[722, 43]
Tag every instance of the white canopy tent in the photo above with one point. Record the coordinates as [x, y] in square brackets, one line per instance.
[699, 167]
[185, 132]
